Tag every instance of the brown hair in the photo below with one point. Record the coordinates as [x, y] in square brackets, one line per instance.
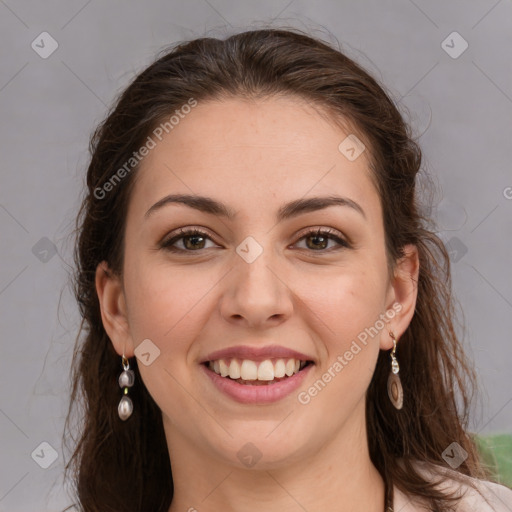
[125, 465]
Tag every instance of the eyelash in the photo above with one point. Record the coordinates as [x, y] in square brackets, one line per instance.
[185, 233]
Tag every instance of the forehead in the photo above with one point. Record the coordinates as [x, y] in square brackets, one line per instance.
[253, 152]
[286, 124]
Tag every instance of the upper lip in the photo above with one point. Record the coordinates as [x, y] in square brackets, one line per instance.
[256, 353]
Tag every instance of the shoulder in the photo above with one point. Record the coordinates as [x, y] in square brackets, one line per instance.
[475, 495]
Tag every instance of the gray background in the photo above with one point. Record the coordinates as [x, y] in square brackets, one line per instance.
[462, 107]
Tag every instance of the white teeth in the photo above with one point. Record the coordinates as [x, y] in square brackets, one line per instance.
[266, 370]
[279, 369]
[234, 369]
[248, 370]
[224, 369]
[290, 367]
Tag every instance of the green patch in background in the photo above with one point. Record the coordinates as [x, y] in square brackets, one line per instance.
[496, 453]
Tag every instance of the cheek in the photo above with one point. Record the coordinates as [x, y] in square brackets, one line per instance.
[342, 309]
[347, 312]
[168, 305]
[345, 302]
[344, 312]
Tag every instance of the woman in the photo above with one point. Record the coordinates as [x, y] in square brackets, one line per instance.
[268, 319]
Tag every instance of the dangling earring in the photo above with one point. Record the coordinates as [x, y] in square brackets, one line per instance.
[395, 390]
[126, 380]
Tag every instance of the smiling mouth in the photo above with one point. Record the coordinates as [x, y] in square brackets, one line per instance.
[254, 373]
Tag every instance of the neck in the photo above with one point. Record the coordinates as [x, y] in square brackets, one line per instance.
[336, 471]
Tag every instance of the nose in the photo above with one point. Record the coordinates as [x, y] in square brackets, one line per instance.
[257, 294]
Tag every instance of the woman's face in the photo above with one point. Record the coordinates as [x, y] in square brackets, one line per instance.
[256, 279]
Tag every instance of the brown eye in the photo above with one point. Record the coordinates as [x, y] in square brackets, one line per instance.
[318, 240]
[192, 240]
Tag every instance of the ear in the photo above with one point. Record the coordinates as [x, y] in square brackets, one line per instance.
[403, 293]
[113, 309]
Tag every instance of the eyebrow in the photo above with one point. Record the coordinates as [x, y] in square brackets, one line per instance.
[287, 211]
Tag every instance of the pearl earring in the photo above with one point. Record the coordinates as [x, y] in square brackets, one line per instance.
[126, 380]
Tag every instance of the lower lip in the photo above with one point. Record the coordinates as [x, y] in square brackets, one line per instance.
[258, 394]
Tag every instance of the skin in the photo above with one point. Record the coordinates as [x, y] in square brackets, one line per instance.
[254, 156]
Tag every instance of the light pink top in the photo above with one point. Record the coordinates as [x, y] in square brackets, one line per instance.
[493, 498]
